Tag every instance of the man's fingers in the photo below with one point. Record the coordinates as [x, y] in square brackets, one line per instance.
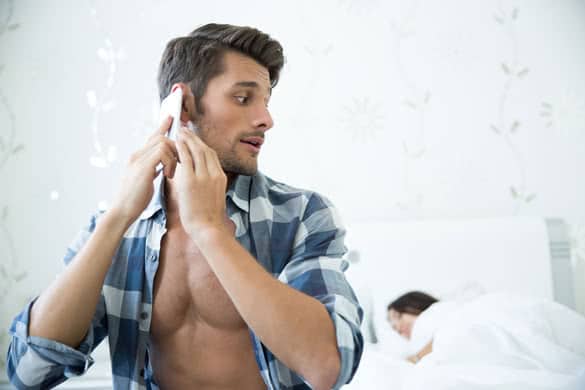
[172, 146]
[196, 149]
[161, 153]
[213, 164]
[162, 129]
[154, 143]
[185, 157]
[169, 163]
[165, 125]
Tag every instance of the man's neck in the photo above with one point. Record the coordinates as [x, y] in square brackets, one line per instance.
[172, 201]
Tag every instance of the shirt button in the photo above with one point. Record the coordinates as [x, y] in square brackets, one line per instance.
[144, 315]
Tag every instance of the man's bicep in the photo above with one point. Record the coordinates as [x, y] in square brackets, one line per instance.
[81, 238]
[323, 279]
[316, 267]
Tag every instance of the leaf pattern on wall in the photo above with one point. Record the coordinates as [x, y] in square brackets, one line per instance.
[363, 119]
[416, 99]
[568, 110]
[102, 102]
[11, 273]
[508, 125]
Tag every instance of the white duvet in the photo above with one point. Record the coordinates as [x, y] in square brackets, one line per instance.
[496, 341]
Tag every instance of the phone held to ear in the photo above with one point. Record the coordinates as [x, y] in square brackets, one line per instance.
[172, 105]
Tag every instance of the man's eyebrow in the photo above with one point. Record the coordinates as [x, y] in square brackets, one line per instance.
[251, 84]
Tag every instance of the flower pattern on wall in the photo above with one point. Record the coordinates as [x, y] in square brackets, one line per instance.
[570, 109]
[366, 111]
[364, 119]
[103, 102]
[507, 125]
[11, 273]
[416, 99]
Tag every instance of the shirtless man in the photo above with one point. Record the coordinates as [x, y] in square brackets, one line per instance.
[216, 276]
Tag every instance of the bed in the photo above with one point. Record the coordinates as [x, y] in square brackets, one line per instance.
[452, 259]
[512, 276]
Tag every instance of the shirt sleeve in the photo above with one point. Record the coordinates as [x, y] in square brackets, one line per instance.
[317, 268]
[39, 363]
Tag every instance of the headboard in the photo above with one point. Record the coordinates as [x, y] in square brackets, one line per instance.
[457, 258]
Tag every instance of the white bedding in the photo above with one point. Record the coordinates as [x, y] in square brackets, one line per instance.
[497, 341]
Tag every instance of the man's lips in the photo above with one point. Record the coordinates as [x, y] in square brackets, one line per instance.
[254, 142]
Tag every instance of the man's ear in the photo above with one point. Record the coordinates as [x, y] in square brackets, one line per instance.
[188, 111]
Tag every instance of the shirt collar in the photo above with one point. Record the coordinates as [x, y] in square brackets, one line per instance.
[158, 199]
[238, 192]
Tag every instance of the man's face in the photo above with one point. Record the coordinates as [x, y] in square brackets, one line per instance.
[235, 106]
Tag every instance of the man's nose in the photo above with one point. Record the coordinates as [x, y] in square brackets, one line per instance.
[262, 119]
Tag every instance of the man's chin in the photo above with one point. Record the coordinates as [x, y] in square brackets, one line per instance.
[240, 170]
[234, 166]
[234, 174]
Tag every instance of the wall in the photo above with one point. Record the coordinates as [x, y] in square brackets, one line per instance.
[394, 110]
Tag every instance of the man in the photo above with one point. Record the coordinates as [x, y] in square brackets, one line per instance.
[216, 277]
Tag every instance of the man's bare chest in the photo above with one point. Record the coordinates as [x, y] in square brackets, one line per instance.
[186, 290]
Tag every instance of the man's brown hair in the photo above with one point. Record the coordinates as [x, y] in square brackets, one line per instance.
[198, 57]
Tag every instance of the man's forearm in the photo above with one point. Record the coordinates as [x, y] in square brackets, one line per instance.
[63, 312]
[294, 326]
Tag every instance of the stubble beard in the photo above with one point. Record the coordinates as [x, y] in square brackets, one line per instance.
[230, 163]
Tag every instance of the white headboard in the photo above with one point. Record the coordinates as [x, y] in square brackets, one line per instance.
[450, 258]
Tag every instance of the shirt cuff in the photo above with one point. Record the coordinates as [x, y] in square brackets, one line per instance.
[75, 361]
[349, 343]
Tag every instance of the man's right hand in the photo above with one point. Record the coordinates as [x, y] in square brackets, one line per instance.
[64, 311]
[137, 185]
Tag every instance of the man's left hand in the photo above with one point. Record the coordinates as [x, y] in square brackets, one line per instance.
[201, 186]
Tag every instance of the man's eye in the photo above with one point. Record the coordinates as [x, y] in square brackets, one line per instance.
[242, 99]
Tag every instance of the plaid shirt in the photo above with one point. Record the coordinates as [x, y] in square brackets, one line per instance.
[294, 234]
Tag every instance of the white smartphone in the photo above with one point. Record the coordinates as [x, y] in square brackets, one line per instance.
[172, 105]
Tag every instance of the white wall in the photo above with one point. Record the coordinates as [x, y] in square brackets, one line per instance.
[402, 109]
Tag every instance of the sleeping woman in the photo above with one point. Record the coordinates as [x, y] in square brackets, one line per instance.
[495, 334]
[402, 314]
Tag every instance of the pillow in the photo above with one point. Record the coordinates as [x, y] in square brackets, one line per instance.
[465, 292]
[390, 341]
[376, 330]
[428, 322]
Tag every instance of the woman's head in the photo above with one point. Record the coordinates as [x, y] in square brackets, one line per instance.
[403, 312]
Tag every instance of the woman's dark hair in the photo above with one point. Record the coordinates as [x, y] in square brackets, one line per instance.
[198, 57]
[414, 302]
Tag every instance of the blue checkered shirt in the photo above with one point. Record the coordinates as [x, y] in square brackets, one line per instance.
[296, 235]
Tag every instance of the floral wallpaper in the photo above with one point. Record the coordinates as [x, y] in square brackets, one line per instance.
[393, 109]
[11, 272]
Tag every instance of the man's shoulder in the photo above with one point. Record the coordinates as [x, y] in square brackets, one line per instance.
[137, 230]
[279, 194]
